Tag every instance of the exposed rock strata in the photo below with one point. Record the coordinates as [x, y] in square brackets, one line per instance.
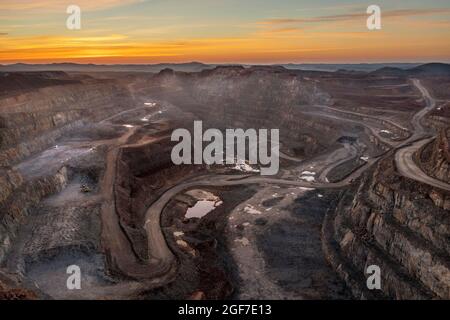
[398, 225]
[435, 157]
[33, 120]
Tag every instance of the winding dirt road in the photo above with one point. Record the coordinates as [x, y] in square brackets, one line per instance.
[366, 116]
[157, 245]
[160, 258]
[374, 131]
[337, 158]
[404, 157]
[416, 121]
[118, 248]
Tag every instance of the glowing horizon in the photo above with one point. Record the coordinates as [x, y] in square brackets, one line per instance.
[219, 31]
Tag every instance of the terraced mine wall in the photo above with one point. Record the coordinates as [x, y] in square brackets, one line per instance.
[398, 224]
[256, 97]
[19, 197]
[143, 174]
[34, 120]
[439, 122]
[434, 158]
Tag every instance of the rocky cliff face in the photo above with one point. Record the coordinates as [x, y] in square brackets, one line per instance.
[435, 157]
[256, 97]
[398, 224]
[143, 173]
[19, 197]
[13, 83]
[32, 120]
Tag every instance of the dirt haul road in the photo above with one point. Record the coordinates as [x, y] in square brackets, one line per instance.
[157, 245]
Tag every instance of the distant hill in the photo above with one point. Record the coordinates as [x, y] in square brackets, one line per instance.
[397, 69]
[428, 69]
[22, 81]
[363, 67]
[75, 67]
[389, 71]
[434, 69]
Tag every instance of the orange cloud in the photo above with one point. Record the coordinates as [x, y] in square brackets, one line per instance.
[55, 5]
[353, 16]
[341, 38]
[297, 47]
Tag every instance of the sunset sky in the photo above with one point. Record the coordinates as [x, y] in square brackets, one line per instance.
[224, 31]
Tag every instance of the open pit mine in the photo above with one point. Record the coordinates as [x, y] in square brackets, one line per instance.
[88, 187]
